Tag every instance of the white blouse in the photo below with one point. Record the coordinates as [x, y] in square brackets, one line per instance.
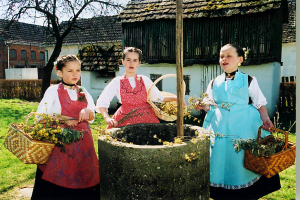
[113, 89]
[257, 97]
[50, 103]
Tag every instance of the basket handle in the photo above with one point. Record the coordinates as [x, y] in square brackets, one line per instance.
[28, 116]
[278, 130]
[160, 78]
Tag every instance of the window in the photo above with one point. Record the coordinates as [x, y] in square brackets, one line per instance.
[42, 55]
[187, 79]
[153, 77]
[23, 55]
[13, 54]
[33, 55]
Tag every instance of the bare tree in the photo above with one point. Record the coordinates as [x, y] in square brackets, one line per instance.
[52, 11]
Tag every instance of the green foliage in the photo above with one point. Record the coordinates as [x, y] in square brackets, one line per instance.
[13, 173]
[274, 146]
[68, 136]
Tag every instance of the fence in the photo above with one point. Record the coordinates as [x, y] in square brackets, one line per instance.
[23, 89]
[287, 95]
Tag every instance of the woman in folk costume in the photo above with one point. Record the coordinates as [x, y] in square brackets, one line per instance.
[73, 174]
[131, 90]
[228, 178]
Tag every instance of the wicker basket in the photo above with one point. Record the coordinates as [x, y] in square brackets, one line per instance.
[159, 113]
[22, 145]
[272, 165]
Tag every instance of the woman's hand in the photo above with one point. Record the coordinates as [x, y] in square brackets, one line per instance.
[85, 115]
[267, 124]
[71, 122]
[203, 107]
[111, 122]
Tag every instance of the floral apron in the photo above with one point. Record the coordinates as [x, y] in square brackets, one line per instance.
[78, 167]
[135, 108]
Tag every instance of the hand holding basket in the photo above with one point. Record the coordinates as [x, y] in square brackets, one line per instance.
[157, 111]
[271, 165]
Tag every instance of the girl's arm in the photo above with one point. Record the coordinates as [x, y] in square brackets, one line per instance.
[259, 102]
[109, 92]
[107, 118]
[207, 100]
[87, 114]
[267, 123]
[172, 98]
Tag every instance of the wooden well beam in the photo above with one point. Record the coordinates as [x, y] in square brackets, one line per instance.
[179, 66]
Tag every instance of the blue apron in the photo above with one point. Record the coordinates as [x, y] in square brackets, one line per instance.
[242, 121]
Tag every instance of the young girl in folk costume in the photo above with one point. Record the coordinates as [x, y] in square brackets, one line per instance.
[131, 90]
[228, 178]
[73, 174]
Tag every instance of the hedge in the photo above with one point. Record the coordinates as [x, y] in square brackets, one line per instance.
[22, 89]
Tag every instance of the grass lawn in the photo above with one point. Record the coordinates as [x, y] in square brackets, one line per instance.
[14, 174]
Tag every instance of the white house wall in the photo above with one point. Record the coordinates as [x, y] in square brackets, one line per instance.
[268, 76]
[289, 59]
[94, 84]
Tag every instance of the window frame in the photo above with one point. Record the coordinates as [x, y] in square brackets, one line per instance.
[10, 56]
[153, 77]
[22, 58]
[31, 55]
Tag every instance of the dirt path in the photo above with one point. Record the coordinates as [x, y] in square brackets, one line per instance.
[24, 192]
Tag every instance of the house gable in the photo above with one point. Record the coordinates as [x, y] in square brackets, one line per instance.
[208, 25]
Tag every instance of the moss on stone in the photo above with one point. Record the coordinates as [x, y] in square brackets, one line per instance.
[154, 172]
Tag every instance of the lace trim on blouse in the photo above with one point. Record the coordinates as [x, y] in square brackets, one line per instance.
[235, 187]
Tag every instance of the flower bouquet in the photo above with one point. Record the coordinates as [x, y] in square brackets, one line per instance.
[33, 144]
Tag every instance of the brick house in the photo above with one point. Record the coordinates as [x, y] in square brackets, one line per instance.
[21, 46]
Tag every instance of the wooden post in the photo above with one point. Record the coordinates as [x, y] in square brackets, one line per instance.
[179, 66]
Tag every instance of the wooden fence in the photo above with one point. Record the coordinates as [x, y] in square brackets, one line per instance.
[287, 95]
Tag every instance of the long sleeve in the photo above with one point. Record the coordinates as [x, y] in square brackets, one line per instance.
[111, 90]
[155, 93]
[256, 95]
[50, 103]
[209, 97]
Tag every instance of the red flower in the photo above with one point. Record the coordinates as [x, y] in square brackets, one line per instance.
[81, 95]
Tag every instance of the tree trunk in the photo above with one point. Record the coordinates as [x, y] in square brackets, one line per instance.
[48, 68]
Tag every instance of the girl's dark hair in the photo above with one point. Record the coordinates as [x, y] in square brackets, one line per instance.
[64, 59]
[132, 49]
[238, 49]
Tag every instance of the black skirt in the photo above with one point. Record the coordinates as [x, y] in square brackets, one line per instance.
[44, 190]
[259, 189]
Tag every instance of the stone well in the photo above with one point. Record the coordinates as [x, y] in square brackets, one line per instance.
[145, 171]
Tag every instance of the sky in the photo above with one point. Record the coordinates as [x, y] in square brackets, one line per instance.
[39, 21]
